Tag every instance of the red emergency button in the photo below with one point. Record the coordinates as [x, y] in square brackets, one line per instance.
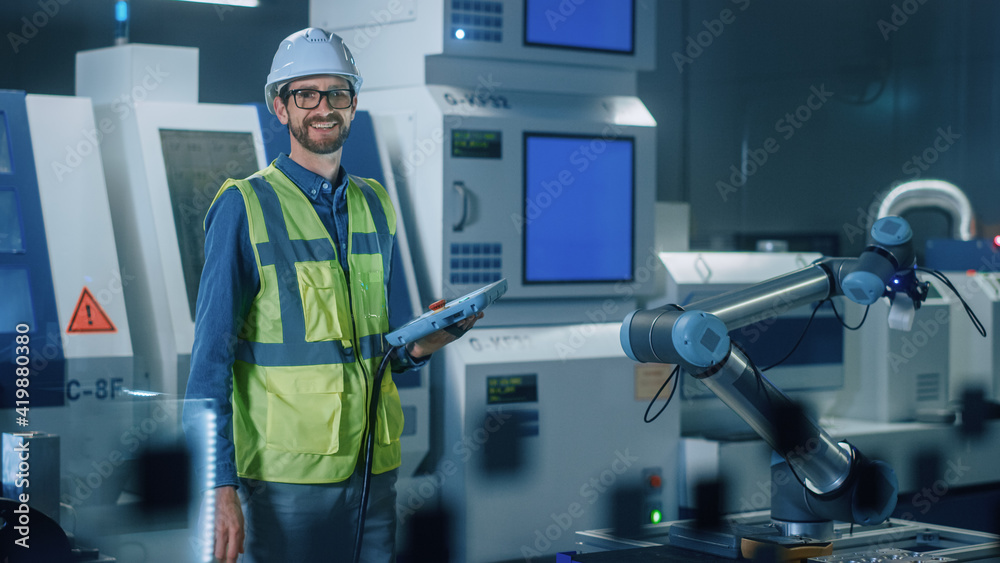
[437, 305]
[655, 481]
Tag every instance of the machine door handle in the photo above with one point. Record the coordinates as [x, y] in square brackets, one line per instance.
[464, 193]
[704, 270]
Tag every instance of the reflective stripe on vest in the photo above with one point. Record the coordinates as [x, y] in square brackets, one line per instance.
[300, 388]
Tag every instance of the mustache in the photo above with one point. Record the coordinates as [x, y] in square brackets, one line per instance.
[322, 119]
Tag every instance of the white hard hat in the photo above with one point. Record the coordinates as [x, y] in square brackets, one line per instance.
[310, 52]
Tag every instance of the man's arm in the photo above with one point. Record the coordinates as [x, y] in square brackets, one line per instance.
[228, 283]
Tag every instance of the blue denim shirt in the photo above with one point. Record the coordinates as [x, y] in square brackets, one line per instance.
[229, 283]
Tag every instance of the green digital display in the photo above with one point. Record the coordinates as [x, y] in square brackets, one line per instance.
[471, 143]
[503, 389]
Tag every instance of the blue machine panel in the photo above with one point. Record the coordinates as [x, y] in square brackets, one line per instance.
[275, 135]
[29, 303]
[960, 255]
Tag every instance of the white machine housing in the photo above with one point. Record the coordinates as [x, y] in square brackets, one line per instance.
[82, 249]
[82, 254]
[581, 438]
[438, 188]
[148, 91]
[398, 44]
[893, 375]
[975, 361]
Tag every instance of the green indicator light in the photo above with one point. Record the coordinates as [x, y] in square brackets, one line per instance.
[655, 516]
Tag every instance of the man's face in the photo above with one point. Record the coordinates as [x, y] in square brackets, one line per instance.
[323, 129]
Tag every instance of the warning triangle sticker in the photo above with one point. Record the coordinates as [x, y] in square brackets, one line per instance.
[89, 316]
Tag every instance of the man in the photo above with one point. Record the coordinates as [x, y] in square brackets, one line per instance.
[289, 330]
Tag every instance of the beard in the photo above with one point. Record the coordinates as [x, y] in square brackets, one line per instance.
[301, 134]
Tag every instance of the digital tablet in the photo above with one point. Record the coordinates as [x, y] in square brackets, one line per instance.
[443, 315]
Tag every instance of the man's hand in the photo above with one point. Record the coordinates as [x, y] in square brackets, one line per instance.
[229, 533]
[439, 339]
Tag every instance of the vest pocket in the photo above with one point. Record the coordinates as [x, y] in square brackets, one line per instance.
[324, 301]
[304, 411]
[368, 287]
[390, 415]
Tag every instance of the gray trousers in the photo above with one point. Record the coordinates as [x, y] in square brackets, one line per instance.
[289, 523]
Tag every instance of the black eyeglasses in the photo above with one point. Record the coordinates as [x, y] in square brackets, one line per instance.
[308, 98]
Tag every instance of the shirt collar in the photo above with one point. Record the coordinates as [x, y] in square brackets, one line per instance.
[309, 182]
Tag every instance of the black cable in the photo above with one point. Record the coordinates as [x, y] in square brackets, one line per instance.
[972, 315]
[799, 341]
[759, 376]
[369, 453]
[673, 374]
[843, 322]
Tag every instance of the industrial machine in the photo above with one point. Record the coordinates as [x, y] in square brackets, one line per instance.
[166, 157]
[901, 376]
[542, 427]
[68, 355]
[975, 362]
[971, 263]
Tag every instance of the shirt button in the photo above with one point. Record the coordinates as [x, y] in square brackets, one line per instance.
[326, 186]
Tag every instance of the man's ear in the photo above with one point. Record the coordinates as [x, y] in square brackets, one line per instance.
[280, 110]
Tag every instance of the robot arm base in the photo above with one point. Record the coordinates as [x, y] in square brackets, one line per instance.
[866, 498]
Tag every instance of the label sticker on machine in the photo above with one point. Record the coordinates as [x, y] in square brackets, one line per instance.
[506, 389]
[649, 380]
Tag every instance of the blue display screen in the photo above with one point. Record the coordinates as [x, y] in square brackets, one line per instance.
[17, 304]
[578, 208]
[599, 25]
[11, 229]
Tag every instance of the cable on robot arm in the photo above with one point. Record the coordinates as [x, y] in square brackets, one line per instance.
[972, 315]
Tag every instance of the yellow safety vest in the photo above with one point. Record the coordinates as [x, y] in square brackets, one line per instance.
[311, 343]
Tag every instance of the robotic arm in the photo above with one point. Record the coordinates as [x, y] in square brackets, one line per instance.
[834, 481]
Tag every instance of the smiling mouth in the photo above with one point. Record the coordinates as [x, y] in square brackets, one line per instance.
[323, 125]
